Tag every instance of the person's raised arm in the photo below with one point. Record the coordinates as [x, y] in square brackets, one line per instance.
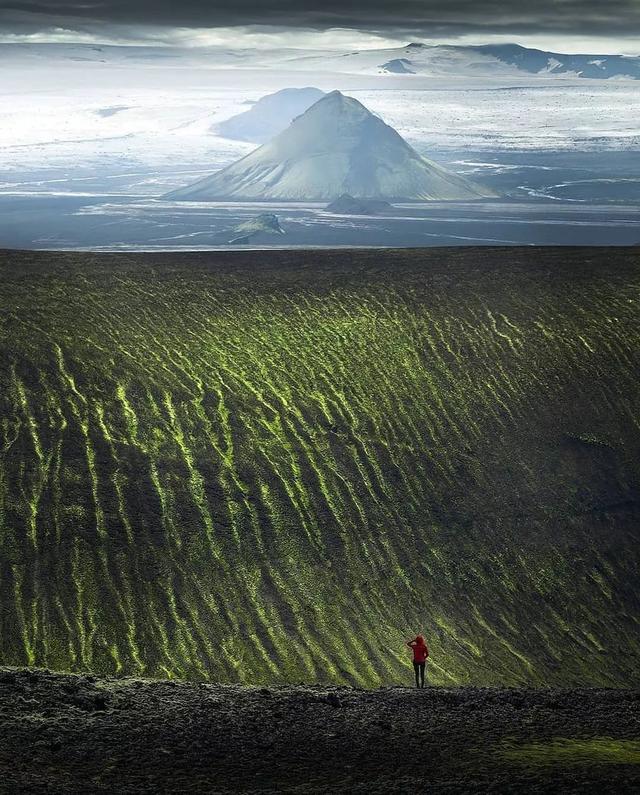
[411, 643]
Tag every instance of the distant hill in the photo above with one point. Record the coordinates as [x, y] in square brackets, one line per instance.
[398, 66]
[540, 62]
[335, 147]
[269, 116]
[278, 466]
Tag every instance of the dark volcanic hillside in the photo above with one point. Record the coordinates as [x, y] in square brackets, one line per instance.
[276, 466]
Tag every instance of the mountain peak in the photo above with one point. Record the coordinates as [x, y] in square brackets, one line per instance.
[334, 97]
[337, 99]
[335, 108]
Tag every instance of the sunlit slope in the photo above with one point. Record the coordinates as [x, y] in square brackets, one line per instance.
[278, 465]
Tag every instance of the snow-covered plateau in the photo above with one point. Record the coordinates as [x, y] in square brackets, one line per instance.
[95, 126]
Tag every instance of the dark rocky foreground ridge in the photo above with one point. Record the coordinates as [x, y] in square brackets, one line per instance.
[268, 467]
[72, 734]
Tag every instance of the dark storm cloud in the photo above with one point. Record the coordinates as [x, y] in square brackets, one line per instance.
[431, 18]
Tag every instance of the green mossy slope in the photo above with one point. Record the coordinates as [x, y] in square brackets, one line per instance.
[275, 466]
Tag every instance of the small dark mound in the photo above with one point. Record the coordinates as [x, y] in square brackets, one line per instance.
[348, 205]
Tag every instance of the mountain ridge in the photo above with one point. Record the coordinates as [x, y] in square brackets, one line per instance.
[486, 60]
[509, 61]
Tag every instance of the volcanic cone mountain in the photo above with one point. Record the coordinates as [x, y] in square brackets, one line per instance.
[335, 147]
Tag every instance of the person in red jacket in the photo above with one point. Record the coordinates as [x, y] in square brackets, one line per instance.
[420, 654]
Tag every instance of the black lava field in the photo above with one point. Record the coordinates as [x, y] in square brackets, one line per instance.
[84, 735]
[275, 467]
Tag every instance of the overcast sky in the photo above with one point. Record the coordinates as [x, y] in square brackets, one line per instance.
[561, 25]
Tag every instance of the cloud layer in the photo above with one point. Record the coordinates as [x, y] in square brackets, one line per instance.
[390, 19]
[428, 16]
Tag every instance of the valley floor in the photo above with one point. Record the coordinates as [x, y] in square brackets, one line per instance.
[64, 733]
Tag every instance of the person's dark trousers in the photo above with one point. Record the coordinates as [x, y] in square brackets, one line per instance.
[418, 669]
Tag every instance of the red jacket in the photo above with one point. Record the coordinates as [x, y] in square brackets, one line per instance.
[420, 650]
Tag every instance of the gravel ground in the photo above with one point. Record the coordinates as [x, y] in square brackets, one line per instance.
[67, 733]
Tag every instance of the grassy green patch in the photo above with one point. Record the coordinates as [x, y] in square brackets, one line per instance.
[564, 752]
